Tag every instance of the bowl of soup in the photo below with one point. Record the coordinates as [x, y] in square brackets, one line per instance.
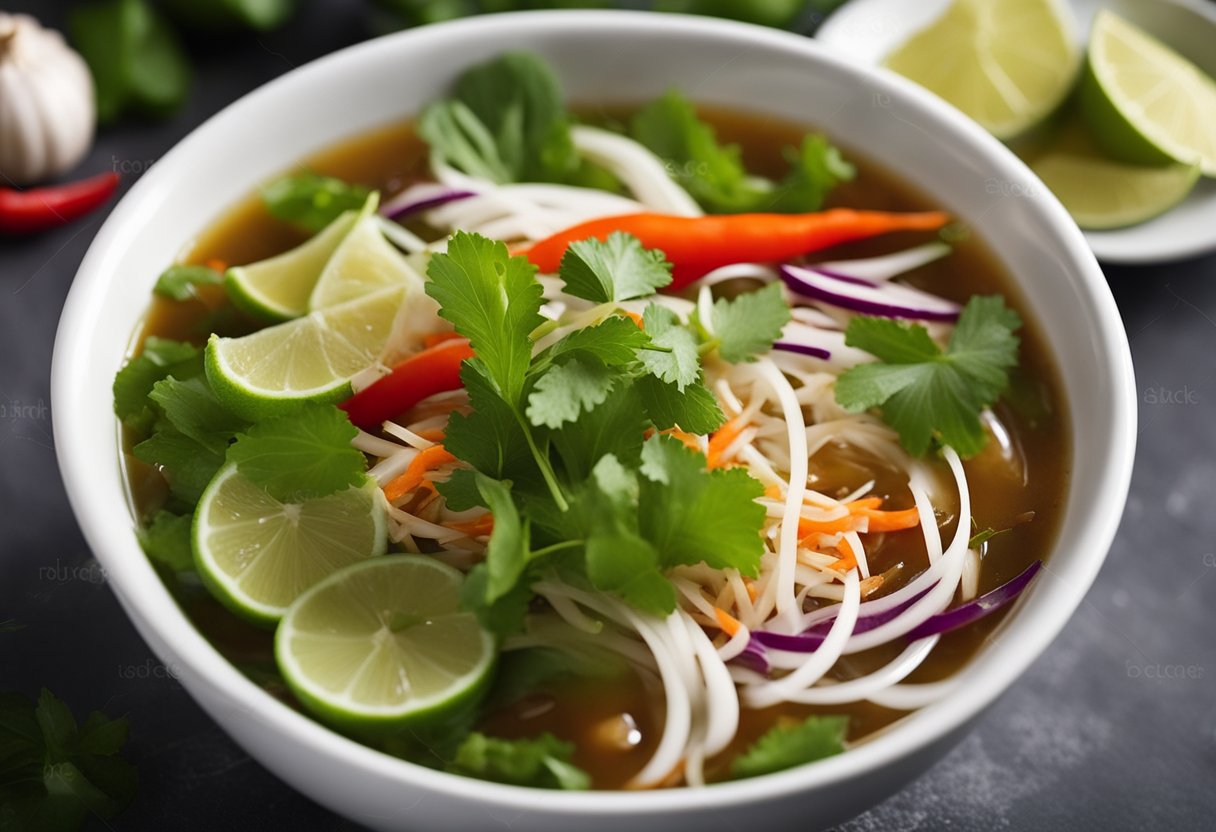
[653, 411]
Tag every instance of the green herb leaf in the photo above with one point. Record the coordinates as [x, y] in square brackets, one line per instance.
[136, 60]
[692, 514]
[694, 410]
[676, 360]
[490, 438]
[543, 762]
[303, 455]
[502, 617]
[748, 325]
[492, 299]
[568, 390]
[505, 122]
[507, 553]
[191, 407]
[714, 173]
[983, 536]
[179, 282]
[521, 672]
[312, 201]
[166, 540]
[616, 269]
[187, 466]
[615, 342]
[54, 774]
[925, 392]
[160, 358]
[784, 747]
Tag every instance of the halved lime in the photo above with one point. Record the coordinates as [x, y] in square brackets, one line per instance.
[277, 289]
[384, 643]
[257, 554]
[309, 359]
[363, 263]
[1144, 102]
[1006, 63]
[1101, 194]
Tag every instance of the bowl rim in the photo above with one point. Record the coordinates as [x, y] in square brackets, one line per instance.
[202, 668]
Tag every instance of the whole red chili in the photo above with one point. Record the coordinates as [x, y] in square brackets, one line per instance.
[37, 209]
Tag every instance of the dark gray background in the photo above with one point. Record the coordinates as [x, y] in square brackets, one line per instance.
[1113, 728]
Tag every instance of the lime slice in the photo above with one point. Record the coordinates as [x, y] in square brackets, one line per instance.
[277, 289]
[363, 263]
[384, 643]
[257, 555]
[1144, 102]
[1102, 194]
[309, 359]
[1005, 63]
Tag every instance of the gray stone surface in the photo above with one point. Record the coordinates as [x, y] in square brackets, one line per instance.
[1113, 728]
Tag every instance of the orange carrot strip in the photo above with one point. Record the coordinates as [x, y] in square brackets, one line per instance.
[430, 434]
[479, 527]
[633, 316]
[729, 624]
[890, 521]
[427, 460]
[806, 527]
[864, 503]
[752, 592]
[849, 560]
[217, 264]
[689, 440]
[773, 492]
[721, 440]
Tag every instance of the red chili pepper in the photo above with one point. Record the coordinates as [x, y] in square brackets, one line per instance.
[37, 209]
[434, 370]
[698, 245]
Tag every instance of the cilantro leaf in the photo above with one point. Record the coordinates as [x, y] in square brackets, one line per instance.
[694, 515]
[616, 269]
[749, 324]
[302, 455]
[815, 168]
[159, 358]
[492, 299]
[166, 540]
[614, 427]
[507, 553]
[503, 616]
[714, 173]
[694, 410]
[312, 201]
[54, 774]
[191, 407]
[186, 465]
[925, 392]
[506, 121]
[615, 341]
[178, 282]
[676, 361]
[490, 438]
[567, 390]
[543, 762]
[460, 490]
[783, 747]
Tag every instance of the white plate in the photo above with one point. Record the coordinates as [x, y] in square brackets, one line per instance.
[868, 30]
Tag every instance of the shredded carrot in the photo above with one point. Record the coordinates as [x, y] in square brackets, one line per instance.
[752, 592]
[849, 560]
[427, 460]
[722, 439]
[807, 527]
[689, 440]
[890, 521]
[864, 503]
[217, 264]
[480, 527]
[729, 624]
[773, 492]
[871, 584]
[633, 316]
[430, 434]
[433, 338]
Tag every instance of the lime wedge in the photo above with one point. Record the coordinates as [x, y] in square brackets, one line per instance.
[257, 555]
[1102, 194]
[363, 263]
[277, 289]
[384, 643]
[1144, 102]
[1005, 63]
[309, 359]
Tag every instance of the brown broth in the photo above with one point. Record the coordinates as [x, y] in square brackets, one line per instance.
[584, 711]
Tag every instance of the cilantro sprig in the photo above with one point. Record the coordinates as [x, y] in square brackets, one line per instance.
[928, 393]
[786, 746]
[556, 436]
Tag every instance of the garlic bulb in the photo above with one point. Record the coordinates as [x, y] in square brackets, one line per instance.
[47, 112]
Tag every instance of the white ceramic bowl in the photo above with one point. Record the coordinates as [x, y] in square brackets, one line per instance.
[602, 56]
